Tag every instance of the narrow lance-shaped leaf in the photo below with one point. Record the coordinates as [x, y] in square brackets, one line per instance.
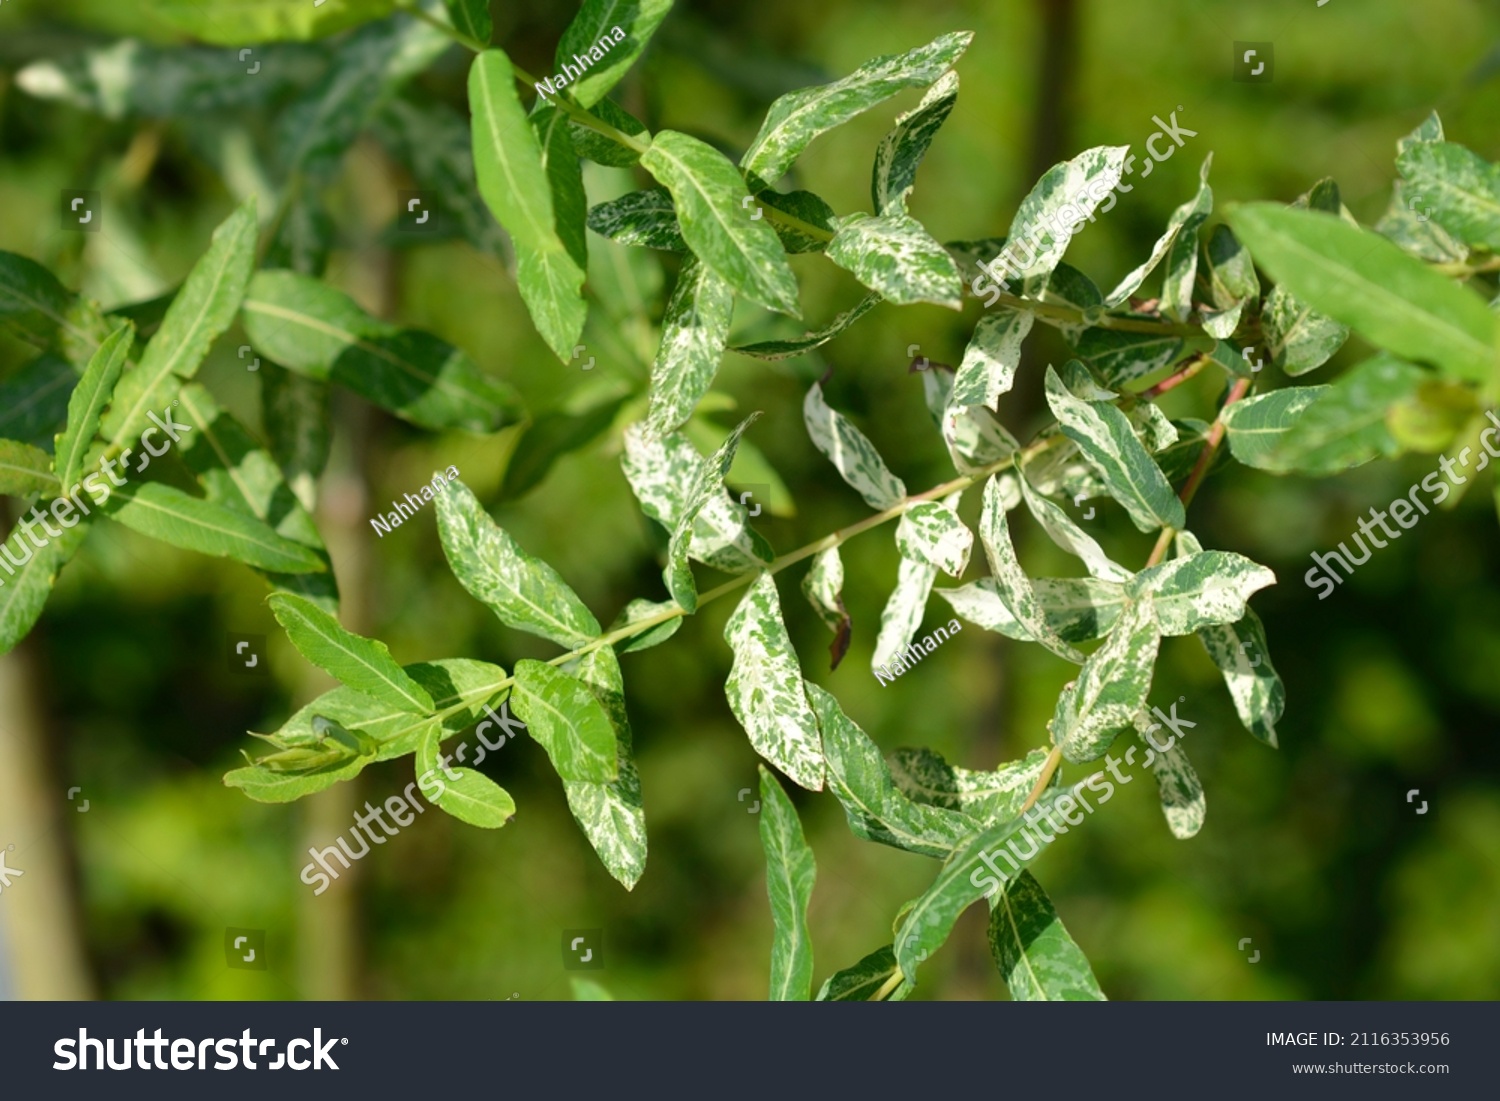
[507, 157]
[824, 588]
[851, 452]
[645, 219]
[713, 211]
[790, 871]
[1461, 189]
[1181, 792]
[1199, 590]
[1256, 426]
[464, 792]
[1111, 688]
[902, 615]
[707, 486]
[694, 331]
[785, 349]
[320, 333]
[1061, 529]
[1052, 212]
[897, 258]
[204, 307]
[551, 281]
[989, 365]
[612, 34]
[865, 979]
[86, 405]
[1104, 436]
[765, 687]
[858, 776]
[984, 797]
[1011, 581]
[1364, 281]
[25, 470]
[24, 589]
[1346, 426]
[1299, 338]
[1035, 954]
[364, 664]
[567, 721]
[522, 591]
[798, 117]
[904, 147]
[931, 532]
[1076, 608]
[1184, 222]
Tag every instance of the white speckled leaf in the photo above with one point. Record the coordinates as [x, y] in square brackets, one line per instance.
[790, 871]
[1012, 584]
[859, 777]
[1037, 228]
[990, 361]
[1035, 954]
[1461, 189]
[897, 258]
[660, 470]
[1111, 687]
[1193, 211]
[1106, 439]
[1061, 529]
[765, 687]
[851, 452]
[694, 331]
[524, 592]
[796, 118]
[562, 714]
[902, 614]
[903, 148]
[707, 485]
[1255, 426]
[812, 338]
[824, 588]
[985, 797]
[1182, 799]
[611, 815]
[1199, 590]
[645, 219]
[864, 979]
[1076, 608]
[931, 532]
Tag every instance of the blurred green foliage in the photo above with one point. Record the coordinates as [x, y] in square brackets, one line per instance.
[1313, 851]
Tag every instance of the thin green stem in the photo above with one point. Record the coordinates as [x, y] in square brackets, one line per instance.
[1051, 311]
[452, 32]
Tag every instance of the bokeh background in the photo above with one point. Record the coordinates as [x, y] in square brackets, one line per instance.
[125, 689]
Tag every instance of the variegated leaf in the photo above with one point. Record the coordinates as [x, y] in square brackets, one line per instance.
[785, 349]
[694, 332]
[1076, 608]
[824, 588]
[1012, 584]
[1182, 800]
[1035, 954]
[864, 980]
[851, 452]
[1111, 687]
[765, 687]
[1052, 212]
[931, 532]
[707, 486]
[790, 871]
[1199, 590]
[897, 258]
[902, 614]
[562, 714]
[1193, 211]
[646, 219]
[903, 148]
[986, 798]
[1070, 537]
[990, 361]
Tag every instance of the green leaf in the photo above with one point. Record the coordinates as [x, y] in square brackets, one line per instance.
[660, 471]
[1011, 583]
[983, 797]
[467, 794]
[205, 306]
[551, 282]
[1183, 223]
[86, 405]
[897, 258]
[548, 438]
[568, 722]
[785, 349]
[808, 226]
[602, 149]
[40, 310]
[765, 687]
[1111, 687]
[858, 776]
[862, 981]
[176, 518]
[588, 38]
[1105, 438]
[522, 591]
[611, 814]
[1298, 337]
[34, 400]
[1362, 280]
[1120, 357]
[706, 487]
[1040, 229]
[1229, 269]
[237, 473]
[25, 588]
[694, 332]
[638, 610]
[458, 684]
[902, 615]
[1257, 426]
[824, 587]
[586, 990]
[1181, 792]
[712, 209]
[1199, 590]
[363, 664]
[1061, 529]
[851, 452]
[1346, 426]
[931, 532]
[989, 365]
[321, 334]
[645, 219]
[790, 871]
[796, 118]
[507, 157]
[266, 20]
[471, 18]
[1461, 188]
[1035, 954]
[25, 470]
[902, 150]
